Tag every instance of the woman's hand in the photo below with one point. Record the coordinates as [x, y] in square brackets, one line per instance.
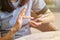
[18, 23]
[36, 22]
[16, 27]
[45, 18]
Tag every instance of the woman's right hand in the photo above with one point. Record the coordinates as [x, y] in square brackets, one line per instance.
[18, 23]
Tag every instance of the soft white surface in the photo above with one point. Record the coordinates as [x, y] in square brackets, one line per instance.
[42, 36]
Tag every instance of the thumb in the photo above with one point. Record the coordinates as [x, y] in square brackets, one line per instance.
[22, 12]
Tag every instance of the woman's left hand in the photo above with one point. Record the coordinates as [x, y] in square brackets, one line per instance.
[36, 22]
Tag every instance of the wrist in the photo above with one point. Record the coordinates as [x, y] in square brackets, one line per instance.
[44, 20]
[13, 30]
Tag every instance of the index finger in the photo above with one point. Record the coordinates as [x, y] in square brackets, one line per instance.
[22, 12]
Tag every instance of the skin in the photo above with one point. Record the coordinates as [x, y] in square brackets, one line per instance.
[47, 19]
